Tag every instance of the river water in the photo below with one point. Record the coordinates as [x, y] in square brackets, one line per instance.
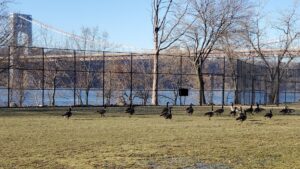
[65, 97]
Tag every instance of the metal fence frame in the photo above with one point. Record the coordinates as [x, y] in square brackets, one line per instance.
[76, 61]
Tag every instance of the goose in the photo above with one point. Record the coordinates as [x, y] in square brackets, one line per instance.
[189, 110]
[210, 113]
[233, 110]
[269, 115]
[220, 111]
[169, 114]
[258, 109]
[130, 109]
[68, 114]
[286, 110]
[249, 110]
[102, 111]
[243, 116]
[165, 110]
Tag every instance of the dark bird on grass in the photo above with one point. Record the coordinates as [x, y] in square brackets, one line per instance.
[189, 110]
[169, 114]
[102, 111]
[286, 110]
[210, 113]
[130, 109]
[269, 115]
[233, 110]
[68, 114]
[243, 115]
[258, 109]
[249, 110]
[220, 111]
[165, 110]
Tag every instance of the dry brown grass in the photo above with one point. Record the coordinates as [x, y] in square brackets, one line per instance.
[46, 140]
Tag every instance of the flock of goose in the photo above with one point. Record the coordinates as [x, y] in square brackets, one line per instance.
[167, 111]
[242, 113]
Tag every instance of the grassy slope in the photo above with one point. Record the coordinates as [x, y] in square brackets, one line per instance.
[31, 140]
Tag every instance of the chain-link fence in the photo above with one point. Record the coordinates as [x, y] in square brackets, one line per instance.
[61, 77]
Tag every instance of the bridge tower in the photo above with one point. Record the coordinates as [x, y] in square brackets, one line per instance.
[21, 35]
[21, 29]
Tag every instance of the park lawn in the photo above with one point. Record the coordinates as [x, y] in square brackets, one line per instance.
[46, 140]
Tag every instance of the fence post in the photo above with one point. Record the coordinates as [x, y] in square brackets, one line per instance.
[295, 84]
[43, 78]
[201, 91]
[181, 68]
[212, 85]
[75, 78]
[103, 79]
[253, 82]
[236, 92]
[8, 77]
[109, 83]
[266, 91]
[130, 96]
[242, 82]
[253, 91]
[260, 89]
[223, 87]
[285, 92]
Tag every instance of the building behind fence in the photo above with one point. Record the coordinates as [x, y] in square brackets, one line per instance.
[61, 77]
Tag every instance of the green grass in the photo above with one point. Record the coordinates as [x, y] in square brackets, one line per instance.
[41, 138]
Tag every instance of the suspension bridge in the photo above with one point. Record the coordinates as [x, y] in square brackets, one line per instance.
[27, 31]
[24, 24]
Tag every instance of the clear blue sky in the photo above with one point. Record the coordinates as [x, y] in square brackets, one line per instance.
[128, 22]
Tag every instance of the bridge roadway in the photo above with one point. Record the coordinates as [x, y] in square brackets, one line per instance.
[143, 56]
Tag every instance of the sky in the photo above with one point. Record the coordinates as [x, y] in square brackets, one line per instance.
[127, 22]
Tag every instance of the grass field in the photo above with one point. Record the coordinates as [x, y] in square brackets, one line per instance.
[41, 138]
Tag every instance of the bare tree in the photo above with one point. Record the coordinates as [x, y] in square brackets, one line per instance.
[56, 76]
[108, 93]
[230, 44]
[19, 76]
[171, 78]
[166, 18]
[92, 40]
[142, 76]
[44, 39]
[5, 33]
[214, 18]
[275, 55]
[20, 87]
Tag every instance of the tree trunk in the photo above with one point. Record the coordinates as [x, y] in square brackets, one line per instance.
[175, 97]
[155, 79]
[275, 86]
[272, 95]
[273, 92]
[145, 99]
[21, 97]
[201, 86]
[80, 97]
[54, 91]
[21, 90]
[236, 90]
[87, 91]
[235, 81]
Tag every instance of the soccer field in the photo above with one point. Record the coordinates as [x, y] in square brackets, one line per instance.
[44, 139]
